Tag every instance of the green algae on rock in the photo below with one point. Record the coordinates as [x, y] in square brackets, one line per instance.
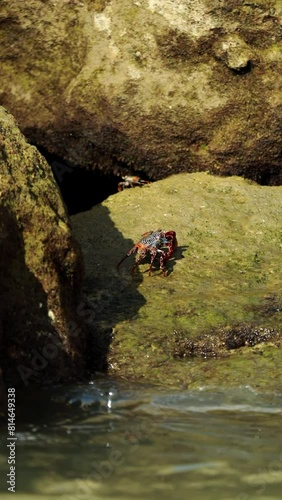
[222, 297]
[151, 85]
[41, 266]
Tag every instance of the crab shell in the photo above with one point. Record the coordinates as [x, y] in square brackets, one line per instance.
[161, 243]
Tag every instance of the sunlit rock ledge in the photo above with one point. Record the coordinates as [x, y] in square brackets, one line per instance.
[216, 317]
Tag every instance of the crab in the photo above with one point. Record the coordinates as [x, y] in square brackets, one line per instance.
[156, 243]
[131, 181]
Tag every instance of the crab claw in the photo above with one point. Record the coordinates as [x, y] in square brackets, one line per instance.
[172, 243]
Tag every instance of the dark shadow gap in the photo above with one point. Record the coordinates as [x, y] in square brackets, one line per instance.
[83, 188]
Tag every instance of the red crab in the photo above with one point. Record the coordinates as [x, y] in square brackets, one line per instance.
[131, 181]
[161, 243]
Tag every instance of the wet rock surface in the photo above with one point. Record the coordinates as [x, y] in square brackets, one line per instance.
[216, 317]
[41, 267]
[151, 85]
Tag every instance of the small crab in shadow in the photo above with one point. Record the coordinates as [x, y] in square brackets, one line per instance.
[129, 181]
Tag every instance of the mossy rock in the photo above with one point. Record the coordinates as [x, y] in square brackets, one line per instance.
[41, 267]
[121, 85]
[218, 311]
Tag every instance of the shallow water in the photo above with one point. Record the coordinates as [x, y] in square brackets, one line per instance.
[108, 439]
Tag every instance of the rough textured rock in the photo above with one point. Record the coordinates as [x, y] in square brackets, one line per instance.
[40, 267]
[222, 297]
[152, 85]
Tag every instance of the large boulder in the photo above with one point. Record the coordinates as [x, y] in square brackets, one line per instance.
[216, 317]
[41, 267]
[160, 86]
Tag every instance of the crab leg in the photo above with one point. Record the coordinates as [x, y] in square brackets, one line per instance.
[141, 255]
[154, 252]
[131, 251]
[163, 259]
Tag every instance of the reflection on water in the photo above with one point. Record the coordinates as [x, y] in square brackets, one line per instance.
[112, 440]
